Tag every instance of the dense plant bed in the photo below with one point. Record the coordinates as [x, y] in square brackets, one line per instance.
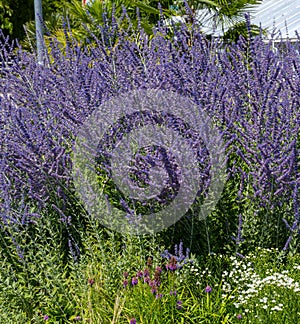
[122, 280]
[60, 264]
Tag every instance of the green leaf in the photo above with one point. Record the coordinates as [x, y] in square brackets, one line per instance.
[146, 8]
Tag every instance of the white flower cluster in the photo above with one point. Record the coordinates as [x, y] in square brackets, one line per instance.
[195, 270]
[249, 284]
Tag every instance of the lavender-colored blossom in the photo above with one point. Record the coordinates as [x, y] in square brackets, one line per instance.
[208, 289]
[177, 260]
[146, 272]
[238, 240]
[134, 281]
[240, 255]
[140, 274]
[125, 283]
[171, 267]
[152, 283]
[251, 95]
[158, 270]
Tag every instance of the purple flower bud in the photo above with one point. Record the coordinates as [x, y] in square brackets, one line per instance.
[152, 283]
[208, 289]
[158, 269]
[134, 281]
[171, 267]
[139, 274]
[146, 272]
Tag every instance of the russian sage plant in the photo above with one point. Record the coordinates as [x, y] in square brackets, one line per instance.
[248, 89]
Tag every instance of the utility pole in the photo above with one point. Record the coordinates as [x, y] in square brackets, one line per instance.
[39, 30]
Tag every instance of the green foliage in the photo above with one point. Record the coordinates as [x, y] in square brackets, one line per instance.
[86, 19]
[41, 283]
[229, 16]
[240, 29]
[39, 278]
[5, 17]
[13, 15]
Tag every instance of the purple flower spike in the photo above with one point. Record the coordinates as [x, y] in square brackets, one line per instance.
[146, 272]
[171, 267]
[152, 283]
[158, 269]
[178, 260]
[139, 274]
